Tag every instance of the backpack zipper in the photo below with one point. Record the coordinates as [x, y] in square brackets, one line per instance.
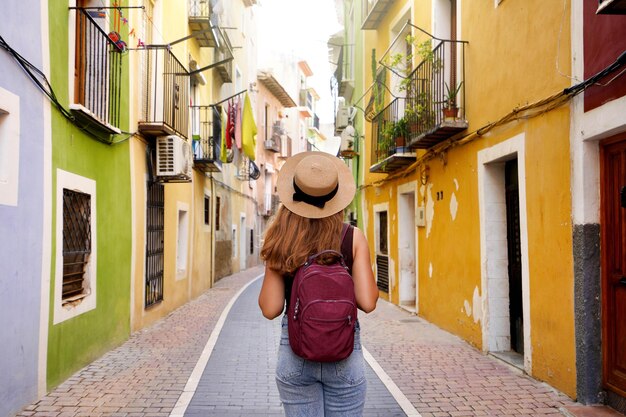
[295, 310]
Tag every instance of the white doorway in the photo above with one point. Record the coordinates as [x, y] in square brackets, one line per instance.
[407, 246]
[506, 331]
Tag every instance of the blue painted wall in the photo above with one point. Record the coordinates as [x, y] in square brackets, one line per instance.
[21, 226]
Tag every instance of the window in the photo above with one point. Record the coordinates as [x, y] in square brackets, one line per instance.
[76, 243]
[234, 241]
[155, 235]
[75, 271]
[182, 243]
[382, 232]
[217, 213]
[9, 147]
[207, 210]
[251, 241]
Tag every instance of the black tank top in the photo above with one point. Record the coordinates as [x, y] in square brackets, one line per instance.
[346, 251]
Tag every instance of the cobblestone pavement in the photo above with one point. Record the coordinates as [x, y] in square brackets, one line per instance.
[440, 374]
[444, 376]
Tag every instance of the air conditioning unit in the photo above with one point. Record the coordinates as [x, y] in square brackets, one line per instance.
[343, 117]
[174, 159]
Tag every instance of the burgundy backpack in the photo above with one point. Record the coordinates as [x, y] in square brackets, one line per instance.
[322, 310]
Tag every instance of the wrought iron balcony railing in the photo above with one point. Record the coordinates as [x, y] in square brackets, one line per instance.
[206, 144]
[204, 23]
[436, 84]
[225, 70]
[165, 109]
[98, 74]
[374, 12]
[390, 131]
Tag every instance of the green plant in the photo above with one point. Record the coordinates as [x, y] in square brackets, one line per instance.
[451, 94]
[388, 132]
[402, 64]
[401, 128]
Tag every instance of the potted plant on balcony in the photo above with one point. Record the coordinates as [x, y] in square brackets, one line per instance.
[450, 109]
[401, 133]
[386, 143]
[419, 116]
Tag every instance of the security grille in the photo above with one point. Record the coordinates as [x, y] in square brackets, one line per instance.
[76, 242]
[154, 243]
[382, 272]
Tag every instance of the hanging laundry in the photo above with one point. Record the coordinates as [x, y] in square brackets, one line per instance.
[248, 129]
[232, 115]
[217, 131]
[238, 114]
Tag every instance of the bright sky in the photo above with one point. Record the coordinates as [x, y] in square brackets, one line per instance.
[302, 27]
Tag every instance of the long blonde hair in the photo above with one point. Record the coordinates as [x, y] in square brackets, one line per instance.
[291, 238]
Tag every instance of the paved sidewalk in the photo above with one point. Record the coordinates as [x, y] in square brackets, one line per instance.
[238, 380]
[146, 375]
[444, 376]
[440, 374]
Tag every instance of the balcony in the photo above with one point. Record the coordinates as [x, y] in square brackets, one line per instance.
[98, 75]
[223, 52]
[433, 87]
[346, 83]
[203, 23]
[266, 77]
[273, 143]
[165, 108]
[206, 144]
[343, 55]
[390, 132]
[305, 103]
[374, 12]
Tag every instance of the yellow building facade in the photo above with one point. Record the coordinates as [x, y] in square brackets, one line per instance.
[470, 225]
[183, 71]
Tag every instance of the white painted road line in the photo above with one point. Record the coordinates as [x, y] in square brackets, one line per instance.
[402, 400]
[192, 383]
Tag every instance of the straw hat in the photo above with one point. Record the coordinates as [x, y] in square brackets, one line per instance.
[315, 184]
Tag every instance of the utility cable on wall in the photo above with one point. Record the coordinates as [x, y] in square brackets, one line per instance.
[41, 81]
[519, 113]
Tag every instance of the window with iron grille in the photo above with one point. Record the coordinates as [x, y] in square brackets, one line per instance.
[155, 236]
[76, 243]
[207, 210]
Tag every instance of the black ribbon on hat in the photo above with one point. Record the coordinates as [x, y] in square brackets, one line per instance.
[317, 201]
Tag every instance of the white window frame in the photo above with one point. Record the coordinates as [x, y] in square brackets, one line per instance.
[85, 185]
[182, 240]
[207, 227]
[9, 147]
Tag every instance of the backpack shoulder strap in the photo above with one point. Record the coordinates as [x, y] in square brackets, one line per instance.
[346, 245]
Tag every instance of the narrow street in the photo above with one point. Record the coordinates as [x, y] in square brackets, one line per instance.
[200, 362]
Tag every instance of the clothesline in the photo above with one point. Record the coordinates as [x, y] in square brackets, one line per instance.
[228, 98]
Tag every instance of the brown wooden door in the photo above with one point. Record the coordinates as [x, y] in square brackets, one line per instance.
[613, 203]
[79, 54]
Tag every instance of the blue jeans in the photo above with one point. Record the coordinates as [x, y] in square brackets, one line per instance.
[316, 389]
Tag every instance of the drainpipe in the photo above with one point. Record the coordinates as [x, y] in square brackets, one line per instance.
[212, 243]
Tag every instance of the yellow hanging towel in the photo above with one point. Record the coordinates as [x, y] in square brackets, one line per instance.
[248, 129]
